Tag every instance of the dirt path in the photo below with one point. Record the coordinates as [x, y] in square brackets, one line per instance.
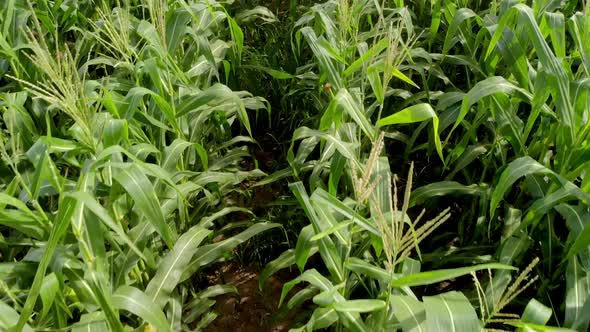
[253, 310]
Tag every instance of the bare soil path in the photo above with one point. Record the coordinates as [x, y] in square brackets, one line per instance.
[253, 310]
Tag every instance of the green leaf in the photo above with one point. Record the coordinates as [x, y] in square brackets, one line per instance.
[326, 246]
[91, 203]
[359, 305]
[561, 90]
[322, 318]
[142, 191]
[176, 25]
[536, 312]
[136, 302]
[582, 241]
[91, 322]
[485, 88]
[515, 170]
[48, 292]
[286, 259]
[431, 277]
[373, 75]
[364, 268]
[450, 312]
[419, 195]
[323, 57]
[333, 203]
[416, 113]
[173, 264]
[60, 227]
[369, 55]
[212, 252]
[461, 16]
[539, 328]
[237, 37]
[410, 313]
[577, 291]
[304, 247]
[470, 154]
[274, 73]
[9, 317]
[355, 110]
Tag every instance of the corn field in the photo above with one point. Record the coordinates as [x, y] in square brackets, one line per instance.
[394, 165]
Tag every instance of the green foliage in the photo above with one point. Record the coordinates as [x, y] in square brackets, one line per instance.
[130, 136]
[503, 87]
[116, 161]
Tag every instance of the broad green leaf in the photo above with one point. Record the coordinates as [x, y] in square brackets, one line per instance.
[359, 305]
[335, 204]
[538, 328]
[173, 264]
[582, 240]
[91, 322]
[536, 312]
[274, 73]
[60, 227]
[209, 253]
[311, 276]
[556, 25]
[217, 290]
[419, 195]
[540, 207]
[583, 317]
[345, 148]
[142, 191]
[176, 25]
[355, 110]
[138, 303]
[369, 55]
[462, 15]
[410, 313]
[373, 75]
[416, 113]
[577, 291]
[470, 154]
[324, 59]
[364, 268]
[322, 318]
[515, 170]
[286, 259]
[509, 252]
[450, 311]
[237, 37]
[351, 319]
[91, 203]
[258, 12]
[485, 88]
[148, 32]
[9, 317]
[326, 246]
[431, 277]
[48, 292]
[304, 247]
[561, 90]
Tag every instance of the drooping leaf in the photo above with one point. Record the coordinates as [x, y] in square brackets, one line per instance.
[416, 113]
[173, 264]
[434, 276]
[450, 311]
[136, 302]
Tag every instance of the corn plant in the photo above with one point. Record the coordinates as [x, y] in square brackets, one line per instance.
[118, 164]
[521, 116]
[126, 138]
[367, 243]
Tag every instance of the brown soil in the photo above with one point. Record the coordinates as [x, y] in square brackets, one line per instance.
[253, 310]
